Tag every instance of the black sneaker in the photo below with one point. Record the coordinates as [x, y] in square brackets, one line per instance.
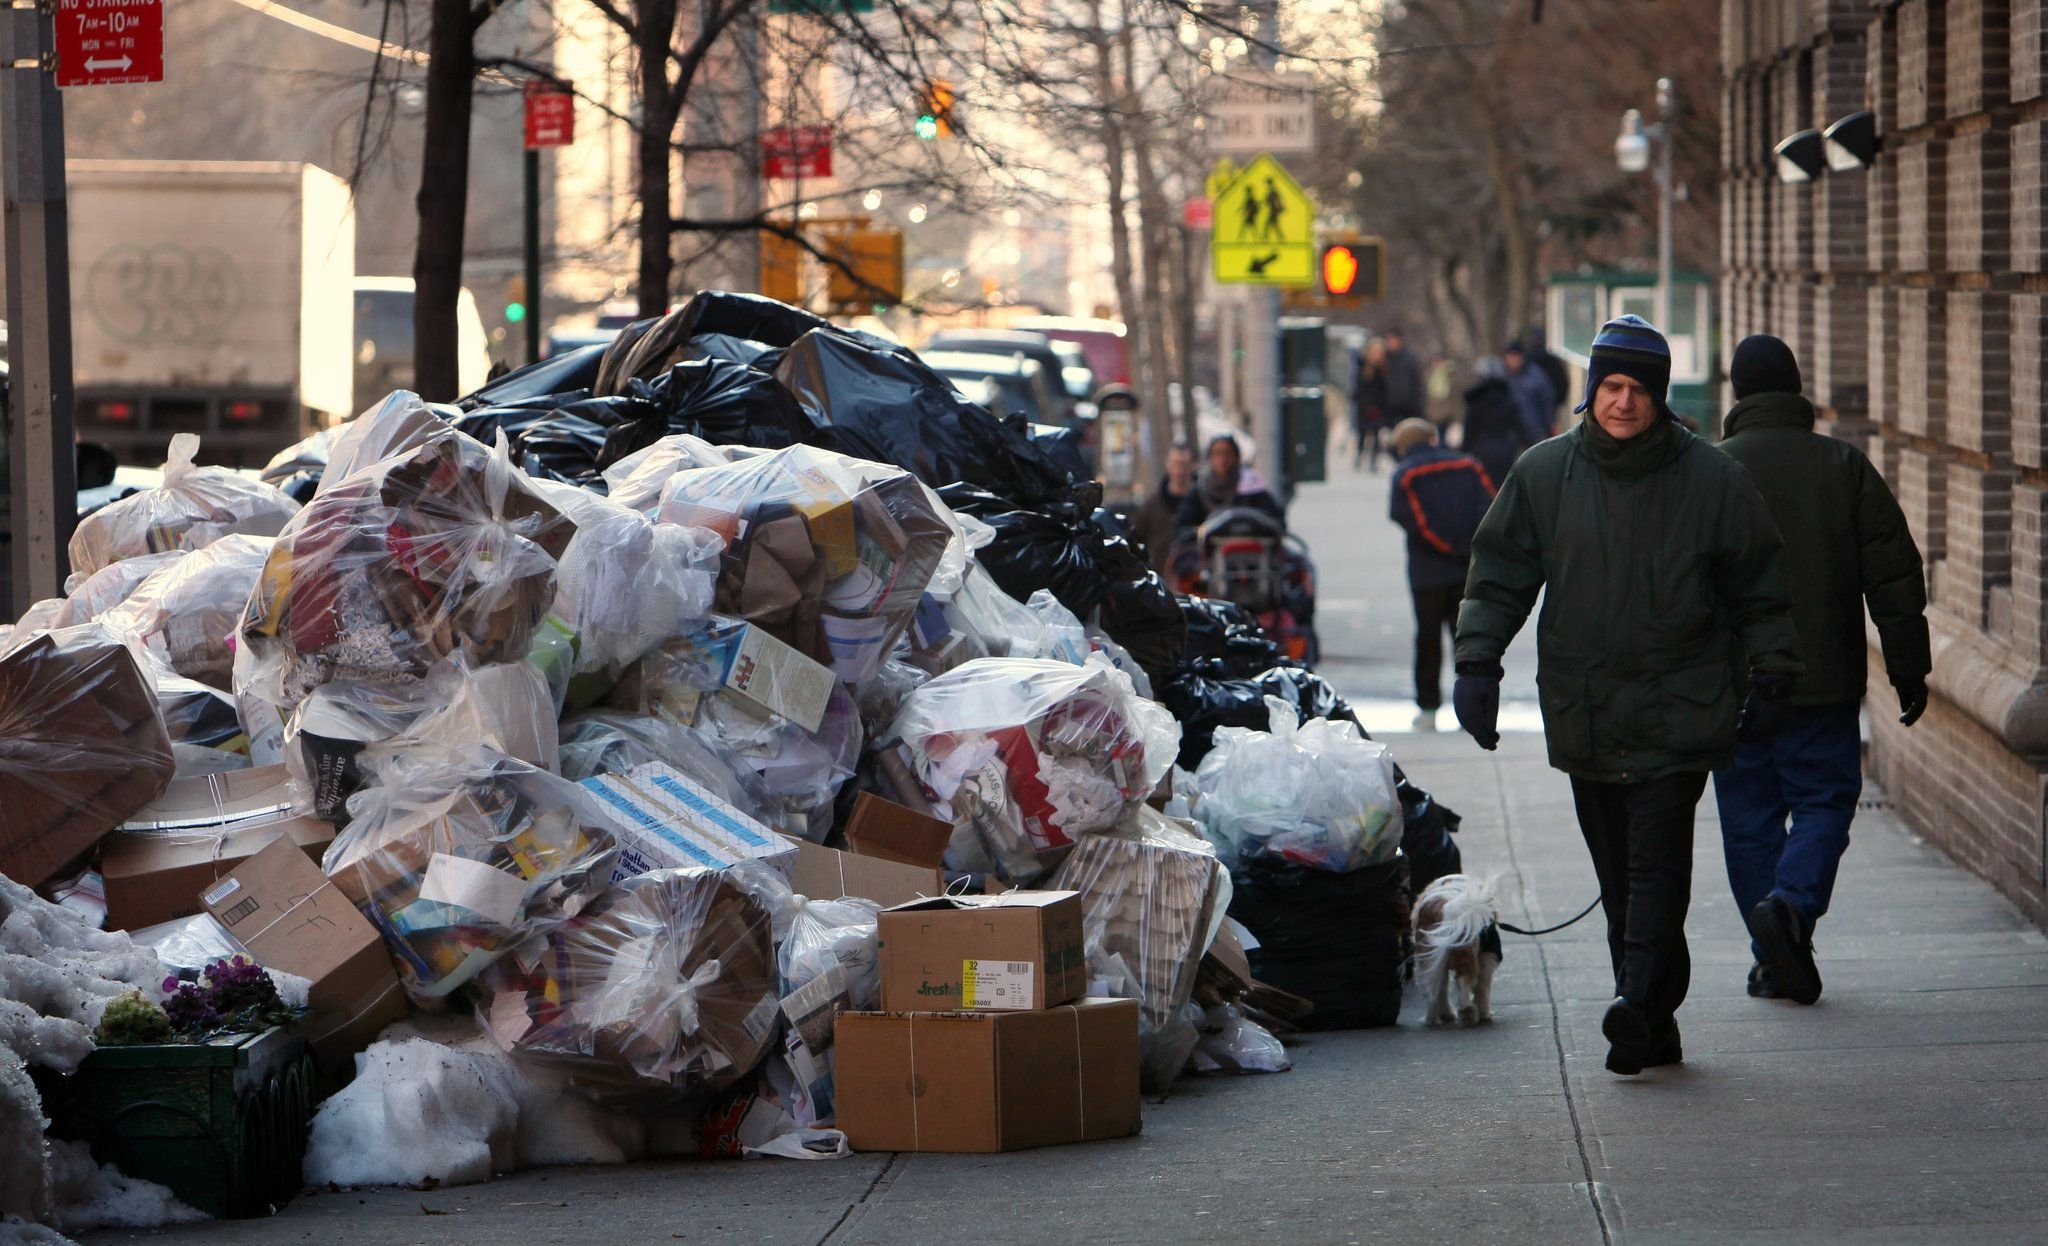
[1788, 953]
[1629, 1031]
[1668, 1048]
[1761, 984]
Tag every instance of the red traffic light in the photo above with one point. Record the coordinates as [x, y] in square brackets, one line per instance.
[1340, 268]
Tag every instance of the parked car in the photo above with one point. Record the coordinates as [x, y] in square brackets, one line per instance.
[1015, 385]
[1109, 356]
[384, 340]
[1036, 347]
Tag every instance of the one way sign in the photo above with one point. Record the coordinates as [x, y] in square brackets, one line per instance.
[107, 42]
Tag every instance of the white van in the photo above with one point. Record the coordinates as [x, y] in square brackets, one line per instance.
[384, 339]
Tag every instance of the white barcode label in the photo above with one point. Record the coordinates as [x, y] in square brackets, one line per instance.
[996, 983]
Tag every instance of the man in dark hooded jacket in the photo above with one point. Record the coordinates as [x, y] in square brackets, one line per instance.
[1653, 555]
[1492, 422]
[1846, 545]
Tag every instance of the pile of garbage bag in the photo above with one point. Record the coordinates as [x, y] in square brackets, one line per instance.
[578, 691]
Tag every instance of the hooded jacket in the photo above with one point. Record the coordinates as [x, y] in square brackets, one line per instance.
[1493, 427]
[1653, 556]
[1846, 545]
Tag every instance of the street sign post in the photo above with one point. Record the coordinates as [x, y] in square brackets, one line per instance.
[1265, 229]
[797, 152]
[550, 115]
[550, 122]
[1254, 111]
[109, 42]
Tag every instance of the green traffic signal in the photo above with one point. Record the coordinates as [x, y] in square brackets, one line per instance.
[927, 127]
[515, 312]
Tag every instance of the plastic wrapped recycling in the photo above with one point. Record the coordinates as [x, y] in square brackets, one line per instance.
[87, 597]
[1149, 897]
[637, 480]
[82, 746]
[669, 980]
[193, 508]
[402, 422]
[830, 962]
[185, 614]
[460, 853]
[1318, 794]
[613, 742]
[827, 553]
[443, 549]
[297, 469]
[1025, 756]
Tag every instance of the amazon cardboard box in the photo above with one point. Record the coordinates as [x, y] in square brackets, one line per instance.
[979, 1081]
[291, 918]
[1009, 952]
[197, 832]
[828, 874]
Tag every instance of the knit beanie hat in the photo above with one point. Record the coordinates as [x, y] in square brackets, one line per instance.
[1631, 346]
[1763, 365]
[1410, 433]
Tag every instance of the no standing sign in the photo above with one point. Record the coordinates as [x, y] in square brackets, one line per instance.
[108, 42]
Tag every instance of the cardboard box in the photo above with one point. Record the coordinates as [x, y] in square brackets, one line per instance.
[891, 832]
[156, 876]
[771, 676]
[978, 1082]
[1010, 952]
[665, 820]
[293, 919]
[263, 793]
[828, 874]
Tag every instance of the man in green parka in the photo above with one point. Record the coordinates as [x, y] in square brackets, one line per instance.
[1786, 803]
[1656, 558]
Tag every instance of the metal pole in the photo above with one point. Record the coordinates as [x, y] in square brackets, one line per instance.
[1262, 331]
[42, 462]
[1664, 188]
[533, 277]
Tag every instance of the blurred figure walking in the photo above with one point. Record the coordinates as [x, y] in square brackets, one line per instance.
[1438, 497]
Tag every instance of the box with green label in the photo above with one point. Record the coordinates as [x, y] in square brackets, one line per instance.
[983, 953]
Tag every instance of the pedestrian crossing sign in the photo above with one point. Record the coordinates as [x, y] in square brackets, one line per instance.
[1265, 229]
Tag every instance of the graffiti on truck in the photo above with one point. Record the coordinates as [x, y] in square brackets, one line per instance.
[160, 292]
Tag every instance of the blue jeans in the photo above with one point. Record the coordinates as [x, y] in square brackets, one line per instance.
[1812, 773]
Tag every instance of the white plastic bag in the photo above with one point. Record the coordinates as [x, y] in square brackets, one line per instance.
[401, 422]
[626, 584]
[1320, 795]
[193, 508]
[1233, 1043]
[185, 614]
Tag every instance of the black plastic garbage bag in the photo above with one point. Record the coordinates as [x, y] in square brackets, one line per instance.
[725, 403]
[1063, 446]
[648, 348]
[888, 407]
[1309, 693]
[1223, 631]
[1203, 696]
[1138, 610]
[557, 374]
[734, 350]
[1426, 828]
[1339, 941]
[559, 436]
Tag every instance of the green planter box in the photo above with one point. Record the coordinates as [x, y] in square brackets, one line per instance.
[222, 1123]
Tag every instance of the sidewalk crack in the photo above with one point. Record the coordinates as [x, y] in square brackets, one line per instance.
[1564, 1077]
[847, 1219]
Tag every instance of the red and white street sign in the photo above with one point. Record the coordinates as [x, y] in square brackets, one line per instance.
[550, 116]
[797, 151]
[108, 42]
[1198, 213]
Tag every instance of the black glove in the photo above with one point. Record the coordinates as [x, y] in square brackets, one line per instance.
[1769, 708]
[1912, 702]
[1476, 698]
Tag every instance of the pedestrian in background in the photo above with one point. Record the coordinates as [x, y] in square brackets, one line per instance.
[1846, 546]
[1225, 482]
[1406, 397]
[1535, 402]
[1438, 498]
[1492, 424]
[1156, 521]
[1369, 404]
[1654, 555]
[1439, 386]
[1553, 369]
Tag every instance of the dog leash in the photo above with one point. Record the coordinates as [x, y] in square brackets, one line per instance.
[1511, 929]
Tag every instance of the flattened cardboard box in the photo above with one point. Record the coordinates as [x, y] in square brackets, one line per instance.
[1009, 952]
[156, 876]
[291, 918]
[828, 874]
[665, 820]
[882, 828]
[978, 1082]
[263, 793]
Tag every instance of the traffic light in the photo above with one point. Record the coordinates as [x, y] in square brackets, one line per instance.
[934, 110]
[515, 299]
[1354, 271]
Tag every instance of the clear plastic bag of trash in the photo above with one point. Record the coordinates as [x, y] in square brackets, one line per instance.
[185, 614]
[1233, 1043]
[827, 553]
[442, 550]
[87, 597]
[459, 853]
[1025, 756]
[637, 480]
[668, 981]
[193, 508]
[614, 742]
[1319, 794]
[829, 957]
[403, 421]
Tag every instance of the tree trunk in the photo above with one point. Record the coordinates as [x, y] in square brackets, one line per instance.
[443, 202]
[1155, 238]
[1113, 160]
[660, 105]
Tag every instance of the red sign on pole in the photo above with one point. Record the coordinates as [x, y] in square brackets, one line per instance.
[797, 151]
[1198, 213]
[550, 116]
[108, 42]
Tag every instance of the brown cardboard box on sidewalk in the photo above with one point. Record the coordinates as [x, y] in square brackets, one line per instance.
[828, 874]
[976, 1082]
[882, 828]
[291, 918]
[1009, 952]
[198, 831]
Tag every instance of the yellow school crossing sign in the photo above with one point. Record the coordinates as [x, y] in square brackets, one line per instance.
[1265, 230]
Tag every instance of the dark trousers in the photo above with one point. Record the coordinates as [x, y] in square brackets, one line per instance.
[1810, 774]
[1640, 835]
[1436, 612]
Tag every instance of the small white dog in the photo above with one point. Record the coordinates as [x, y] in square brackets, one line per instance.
[1457, 948]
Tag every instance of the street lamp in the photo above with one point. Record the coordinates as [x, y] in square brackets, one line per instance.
[1800, 157]
[1851, 142]
[1633, 148]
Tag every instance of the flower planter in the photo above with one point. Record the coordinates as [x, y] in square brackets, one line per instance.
[222, 1123]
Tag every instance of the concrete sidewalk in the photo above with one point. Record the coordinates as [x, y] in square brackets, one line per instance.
[1909, 1106]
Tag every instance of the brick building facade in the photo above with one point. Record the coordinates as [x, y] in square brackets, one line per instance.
[1916, 295]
